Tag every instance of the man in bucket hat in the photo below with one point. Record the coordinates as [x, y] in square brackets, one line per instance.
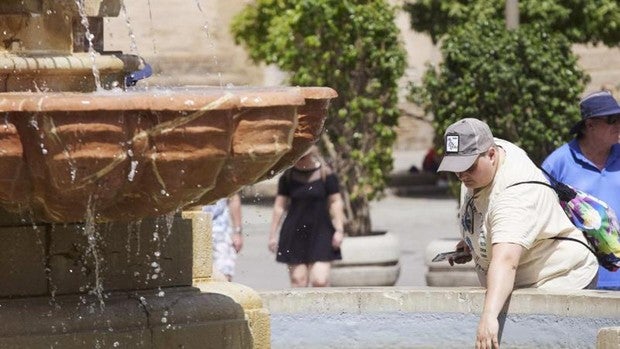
[591, 161]
[507, 229]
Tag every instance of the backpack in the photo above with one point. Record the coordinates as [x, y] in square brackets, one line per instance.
[593, 217]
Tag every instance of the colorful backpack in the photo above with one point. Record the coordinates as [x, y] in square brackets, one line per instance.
[593, 217]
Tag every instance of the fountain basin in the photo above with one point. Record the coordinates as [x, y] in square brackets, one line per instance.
[438, 318]
[125, 156]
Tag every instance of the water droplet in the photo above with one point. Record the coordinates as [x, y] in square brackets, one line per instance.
[132, 171]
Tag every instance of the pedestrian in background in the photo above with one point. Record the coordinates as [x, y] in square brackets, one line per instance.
[509, 229]
[227, 234]
[591, 161]
[312, 230]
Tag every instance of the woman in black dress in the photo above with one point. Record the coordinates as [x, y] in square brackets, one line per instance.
[312, 231]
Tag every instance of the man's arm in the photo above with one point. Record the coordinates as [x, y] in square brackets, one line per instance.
[500, 283]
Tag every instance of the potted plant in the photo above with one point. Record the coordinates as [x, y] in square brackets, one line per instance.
[354, 48]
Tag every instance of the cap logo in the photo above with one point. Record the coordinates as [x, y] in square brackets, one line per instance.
[452, 144]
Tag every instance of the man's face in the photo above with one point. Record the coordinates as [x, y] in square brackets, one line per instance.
[606, 130]
[481, 173]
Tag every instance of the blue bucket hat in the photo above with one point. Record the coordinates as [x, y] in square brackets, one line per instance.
[599, 104]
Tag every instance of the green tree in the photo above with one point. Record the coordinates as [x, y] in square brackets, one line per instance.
[524, 83]
[352, 46]
[581, 21]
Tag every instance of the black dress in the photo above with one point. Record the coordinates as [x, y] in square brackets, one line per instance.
[307, 231]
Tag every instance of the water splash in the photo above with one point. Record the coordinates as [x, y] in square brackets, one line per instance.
[91, 47]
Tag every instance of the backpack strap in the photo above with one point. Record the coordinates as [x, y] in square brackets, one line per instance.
[532, 182]
[560, 191]
[579, 241]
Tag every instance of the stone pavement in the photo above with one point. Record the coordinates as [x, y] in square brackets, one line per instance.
[415, 220]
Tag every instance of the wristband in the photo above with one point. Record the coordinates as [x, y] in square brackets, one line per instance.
[237, 230]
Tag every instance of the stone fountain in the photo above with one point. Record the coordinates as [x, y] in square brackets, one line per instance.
[94, 177]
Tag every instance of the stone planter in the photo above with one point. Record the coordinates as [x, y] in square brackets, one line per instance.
[441, 273]
[371, 260]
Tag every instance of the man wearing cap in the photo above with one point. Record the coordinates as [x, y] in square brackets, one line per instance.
[591, 161]
[507, 229]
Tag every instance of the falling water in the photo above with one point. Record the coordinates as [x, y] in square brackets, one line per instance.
[155, 263]
[133, 233]
[151, 29]
[91, 48]
[92, 237]
[133, 45]
[43, 242]
[169, 223]
[211, 43]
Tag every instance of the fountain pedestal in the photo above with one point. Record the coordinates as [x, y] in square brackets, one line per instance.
[133, 290]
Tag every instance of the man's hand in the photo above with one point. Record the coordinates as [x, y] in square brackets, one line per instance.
[486, 336]
[461, 246]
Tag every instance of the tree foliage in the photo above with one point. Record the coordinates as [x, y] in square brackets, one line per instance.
[581, 21]
[524, 83]
[352, 46]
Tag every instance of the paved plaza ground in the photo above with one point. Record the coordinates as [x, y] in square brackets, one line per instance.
[415, 220]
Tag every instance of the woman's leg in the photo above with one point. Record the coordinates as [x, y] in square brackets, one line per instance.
[319, 274]
[298, 274]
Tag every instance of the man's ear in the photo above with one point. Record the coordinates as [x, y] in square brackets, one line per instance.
[492, 154]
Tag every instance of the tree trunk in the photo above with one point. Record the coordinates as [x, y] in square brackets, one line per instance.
[511, 12]
[359, 224]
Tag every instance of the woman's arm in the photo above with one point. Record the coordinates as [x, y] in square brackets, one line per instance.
[279, 207]
[500, 283]
[336, 212]
[234, 206]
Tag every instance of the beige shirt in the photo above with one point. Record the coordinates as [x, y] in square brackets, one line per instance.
[527, 215]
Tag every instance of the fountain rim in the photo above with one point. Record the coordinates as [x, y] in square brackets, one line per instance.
[187, 98]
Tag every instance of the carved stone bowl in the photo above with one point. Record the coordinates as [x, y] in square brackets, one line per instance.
[121, 156]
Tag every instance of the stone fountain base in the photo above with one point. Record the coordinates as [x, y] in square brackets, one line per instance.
[126, 286]
[183, 318]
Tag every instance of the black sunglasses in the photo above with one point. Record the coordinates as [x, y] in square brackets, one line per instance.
[612, 119]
